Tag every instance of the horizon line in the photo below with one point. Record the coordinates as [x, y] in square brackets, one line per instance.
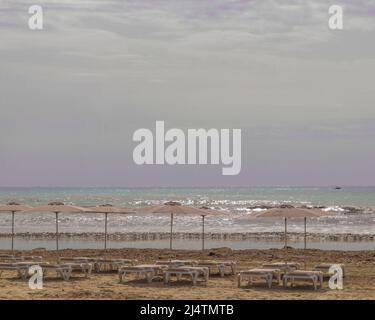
[192, 186]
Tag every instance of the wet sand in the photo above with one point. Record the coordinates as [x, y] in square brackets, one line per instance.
[359, 282]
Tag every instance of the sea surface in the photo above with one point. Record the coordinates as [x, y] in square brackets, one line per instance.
[353, 208]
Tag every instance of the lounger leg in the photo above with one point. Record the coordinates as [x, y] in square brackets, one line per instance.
[66, 274]
[314, 282]
[166, 278]
[24, 274]
[169, 278]
[278, 278]
[239, 280]
[269, 280]
[234, 268]
[194, 277]
[88, 271]
[83, 270]
[222, 271]
[149, 277]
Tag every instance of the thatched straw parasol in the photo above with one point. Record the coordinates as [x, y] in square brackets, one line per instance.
[106, 209]
[286, 213]
[57, 207]
[13, 207]
[176, 208]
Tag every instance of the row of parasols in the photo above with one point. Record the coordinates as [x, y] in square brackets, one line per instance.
[172, 208]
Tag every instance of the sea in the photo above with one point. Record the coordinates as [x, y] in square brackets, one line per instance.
[352, 211]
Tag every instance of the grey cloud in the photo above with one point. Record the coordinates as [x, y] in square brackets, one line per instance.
[72, 95]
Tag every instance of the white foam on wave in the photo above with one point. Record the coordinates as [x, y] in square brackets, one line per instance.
[334, 208]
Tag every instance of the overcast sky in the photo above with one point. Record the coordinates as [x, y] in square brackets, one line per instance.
[72, 95]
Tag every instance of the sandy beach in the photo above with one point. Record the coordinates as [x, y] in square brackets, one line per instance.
[359, 282]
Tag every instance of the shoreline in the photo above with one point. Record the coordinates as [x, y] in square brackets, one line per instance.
[149, 236]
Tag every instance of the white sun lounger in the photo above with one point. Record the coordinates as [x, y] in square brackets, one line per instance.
[32, 258]
[221, 266]
[150, 271]
[5, 256]
[196, 274]
[22, 269]
[267, 274]
[283, 266]
[100, 264]
[84, 267]
[112, 264]
[64, 270]
[12, 258]
[63, 260]
[177, 263]
[85, 259]
[315, 276]
[8, 257]
[324, 267]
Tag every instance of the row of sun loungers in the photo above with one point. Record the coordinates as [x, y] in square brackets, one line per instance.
[194, 270]
[196, 274]
[220, 266]
[64, 268]
[287, 272]
[12, 258]
[22, 269]
[275, 274]
[100, 264]
[166, 272]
